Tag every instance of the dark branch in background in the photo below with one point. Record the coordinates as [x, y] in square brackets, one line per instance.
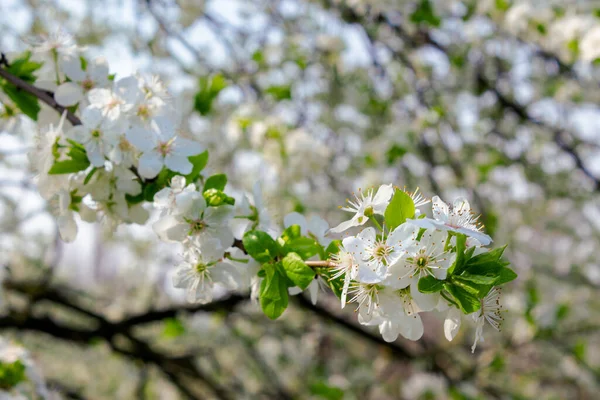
[180, 370]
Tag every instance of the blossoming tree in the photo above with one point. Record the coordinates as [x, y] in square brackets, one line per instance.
[222, 193]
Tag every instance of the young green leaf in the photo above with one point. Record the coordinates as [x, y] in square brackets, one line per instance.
[505, 275]
[68, 167]
[198, 162]
[399, 210]
[273, 291]
[467, 301]
[260, 246]
[216, 182]
[290, 233]
[298, 272]
[429, 284]
[304, 246]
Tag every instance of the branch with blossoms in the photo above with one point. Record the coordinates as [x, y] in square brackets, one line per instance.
[124, 157]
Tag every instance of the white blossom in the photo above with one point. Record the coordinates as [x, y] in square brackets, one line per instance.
[95, 75]
[426, 257]
[490, 312]
[117, 101]
[161, 146]
[197, 222]
[202, 268]
[365, 206]
[455, 218]
[376, 255]
[97, 134]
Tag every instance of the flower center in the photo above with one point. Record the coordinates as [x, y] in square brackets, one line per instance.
[96, 134]
[369, 211]
[87, 84]
[114, 103]
[124, 144]
[143, 111]
[197, 226]
[201, 268]
[381, 251]
[164, 148]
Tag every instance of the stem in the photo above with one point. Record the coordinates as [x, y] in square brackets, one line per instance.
[55, 59]
[447, 245]
[45, 96]
[377, 224]
[325, 263]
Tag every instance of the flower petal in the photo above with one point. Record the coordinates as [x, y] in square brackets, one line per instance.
[178, 163]
[452, 323]
[150, 164]
[143, 139]
[68, 94]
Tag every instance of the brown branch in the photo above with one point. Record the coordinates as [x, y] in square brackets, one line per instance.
[43, 95]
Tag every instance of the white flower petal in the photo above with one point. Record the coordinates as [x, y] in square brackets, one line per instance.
[67, 227]
[186, 147]
[68, 94]
[164, 127]
[382, 198]
[178, 163]
[452, 323]
[91, 117]
[171, 229]
[150, 164]
[143, 139]
[295, 218]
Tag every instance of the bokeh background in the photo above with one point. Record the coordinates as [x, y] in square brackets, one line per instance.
[495, 100]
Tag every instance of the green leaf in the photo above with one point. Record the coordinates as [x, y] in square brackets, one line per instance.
[485, 261]
[208, 89]
[478, 279]
[505, 275]
[89, 175]
[11, 374]
[215, 198]
[502, 5]
[459, 263]
[198, 163]
[333, 248]
[425, 14]
[430, 284]
[399, 210]
[273, 291]
[216, 182]
[260, 246]
[150, 189]
[467, 301]
[304, 246]
[68, 167]
[298, 272]
[281, 92]
[27, 103]
[324, 391]
[173, 328]
[395, 153]
[23, 67]
[290, 233]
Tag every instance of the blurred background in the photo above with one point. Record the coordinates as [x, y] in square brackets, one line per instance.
[495, 100]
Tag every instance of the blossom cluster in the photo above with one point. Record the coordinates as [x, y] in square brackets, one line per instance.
[395, 274]
[120, 139]
[124, 156]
